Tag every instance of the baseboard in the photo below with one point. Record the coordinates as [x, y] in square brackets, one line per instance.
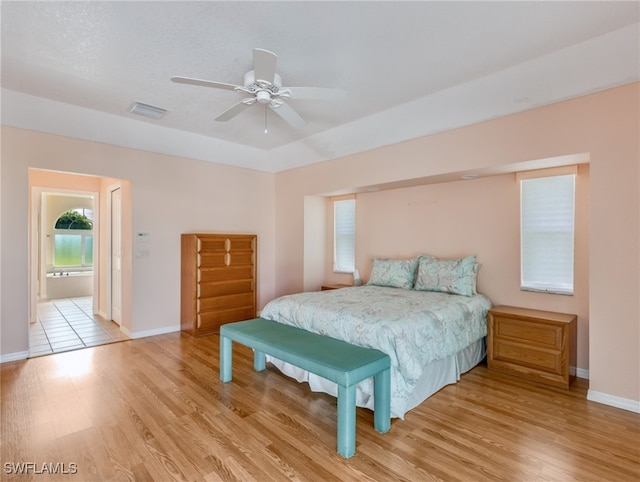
[143, 334]
[612, 400]
[582, 373]
[579, 372]
[9, 357]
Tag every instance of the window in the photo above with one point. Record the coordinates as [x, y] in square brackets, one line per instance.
[546, 234]
[344, 235]
[73, 239]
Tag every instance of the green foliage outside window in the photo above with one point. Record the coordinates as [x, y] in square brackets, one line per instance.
[73, 220]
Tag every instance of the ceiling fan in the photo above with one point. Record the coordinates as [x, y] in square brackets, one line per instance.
[264, 87]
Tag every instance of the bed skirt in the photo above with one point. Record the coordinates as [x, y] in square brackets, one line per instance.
[436, 375]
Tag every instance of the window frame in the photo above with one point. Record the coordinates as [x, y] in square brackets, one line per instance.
[83, 233]
[557, 220]
[344, 241]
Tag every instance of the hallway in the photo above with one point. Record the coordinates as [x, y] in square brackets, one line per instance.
[68, 324]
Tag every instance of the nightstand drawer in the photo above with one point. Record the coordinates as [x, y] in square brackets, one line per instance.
[528, 356]
[538, 333]
[333, 286]
[534, 344]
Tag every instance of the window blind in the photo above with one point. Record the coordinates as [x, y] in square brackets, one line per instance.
[547, 233]
[344, 235]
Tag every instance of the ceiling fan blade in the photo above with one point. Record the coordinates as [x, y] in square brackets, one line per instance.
[264, 65]
[290, 116]
[205, 83]
[233, 111]
[316, 93]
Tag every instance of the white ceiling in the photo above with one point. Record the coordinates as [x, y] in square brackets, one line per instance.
[409, 69]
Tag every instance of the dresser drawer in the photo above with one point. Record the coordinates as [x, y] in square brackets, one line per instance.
[209, 322]
[215, 303]
[217, 288]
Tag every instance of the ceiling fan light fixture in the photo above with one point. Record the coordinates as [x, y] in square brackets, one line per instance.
[263, 97]
[146, 110]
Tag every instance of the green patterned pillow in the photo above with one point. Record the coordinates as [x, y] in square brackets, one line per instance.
[456, 276]
[394, 273]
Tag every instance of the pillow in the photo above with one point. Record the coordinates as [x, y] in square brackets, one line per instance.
[395, 273]
[456, 276]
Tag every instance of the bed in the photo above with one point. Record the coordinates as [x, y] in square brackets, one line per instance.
[432, 333]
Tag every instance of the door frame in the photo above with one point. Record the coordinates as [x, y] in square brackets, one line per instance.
[108, 266]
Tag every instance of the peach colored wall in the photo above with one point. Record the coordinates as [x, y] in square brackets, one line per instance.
[481, 217]
[63, 180]
[169, 196]
[605, 125]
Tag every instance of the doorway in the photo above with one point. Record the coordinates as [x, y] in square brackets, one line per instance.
[68, 265]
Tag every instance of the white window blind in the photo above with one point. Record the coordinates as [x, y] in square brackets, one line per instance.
[344, 235]
[546, 234]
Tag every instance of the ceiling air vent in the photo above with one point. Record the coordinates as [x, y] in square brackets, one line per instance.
[147, 110]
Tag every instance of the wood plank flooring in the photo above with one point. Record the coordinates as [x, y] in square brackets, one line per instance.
[154, 409]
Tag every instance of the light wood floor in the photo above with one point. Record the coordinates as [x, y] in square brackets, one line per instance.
[154, 409]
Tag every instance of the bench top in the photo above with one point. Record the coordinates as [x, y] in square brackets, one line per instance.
[335, 360]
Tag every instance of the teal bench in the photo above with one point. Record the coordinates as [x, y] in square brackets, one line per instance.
[335, 360]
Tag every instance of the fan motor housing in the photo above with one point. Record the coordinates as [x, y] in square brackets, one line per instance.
[251, 84]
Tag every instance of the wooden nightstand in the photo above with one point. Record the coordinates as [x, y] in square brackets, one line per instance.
[534, 344]
[333, 286]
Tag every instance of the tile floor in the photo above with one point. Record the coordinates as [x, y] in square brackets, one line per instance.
[68, 324]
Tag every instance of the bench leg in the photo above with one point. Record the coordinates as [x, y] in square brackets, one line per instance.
[382, 401]
[259, 360]
[225, 359]
[346, 421]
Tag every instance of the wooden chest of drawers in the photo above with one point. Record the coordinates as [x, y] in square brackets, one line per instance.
[218, 281]
[539, 345]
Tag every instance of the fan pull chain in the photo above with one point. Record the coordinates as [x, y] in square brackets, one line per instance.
[265, 119]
